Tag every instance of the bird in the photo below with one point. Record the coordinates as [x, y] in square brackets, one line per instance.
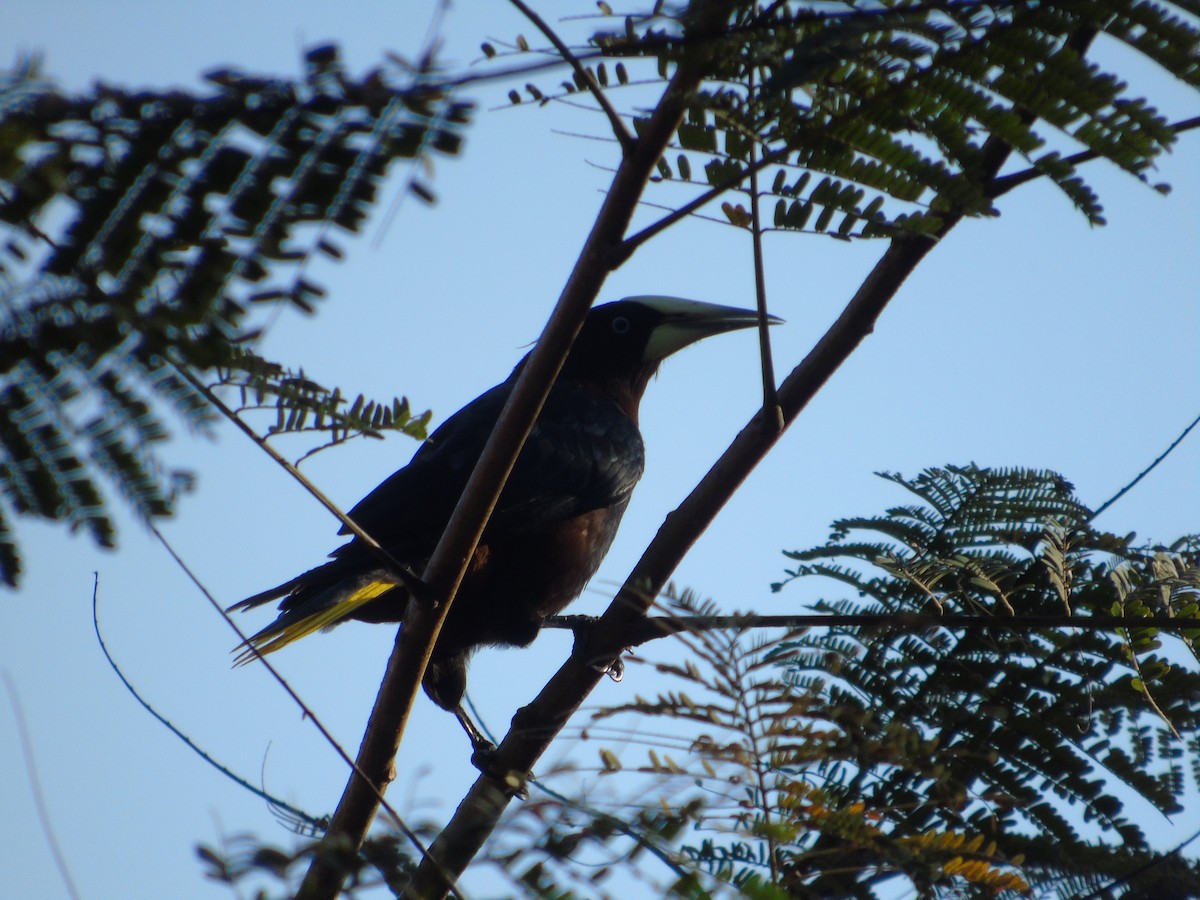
[555, 518]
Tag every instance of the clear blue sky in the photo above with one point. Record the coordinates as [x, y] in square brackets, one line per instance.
[1027, 340]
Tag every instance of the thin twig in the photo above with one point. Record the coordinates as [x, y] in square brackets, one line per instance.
[1001, 186]
[1146, 471]
[313, 821]
[35, 787]
[620, 131]
[304, 707]
[724, 186]
[412, 583]
[770, 395]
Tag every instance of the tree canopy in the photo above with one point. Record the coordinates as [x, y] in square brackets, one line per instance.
[148, 235]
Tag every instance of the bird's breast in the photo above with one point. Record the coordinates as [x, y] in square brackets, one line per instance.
[515, 583]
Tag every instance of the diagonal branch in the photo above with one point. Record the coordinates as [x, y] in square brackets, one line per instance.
[654, 627]
[536, 725]
[415, 641]
[1146, 471]
[405, 575]
[622, 134]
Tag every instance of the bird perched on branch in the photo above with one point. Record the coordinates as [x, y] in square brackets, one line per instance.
[555, 519]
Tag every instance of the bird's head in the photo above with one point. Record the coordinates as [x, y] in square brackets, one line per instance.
[622, 344]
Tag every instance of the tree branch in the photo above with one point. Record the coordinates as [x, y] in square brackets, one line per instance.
[1001, 186]
[535, 726]
[622, 134]
[412, 583]
[283, 682]
[414, 643]
[1146, 471]
[654, 627]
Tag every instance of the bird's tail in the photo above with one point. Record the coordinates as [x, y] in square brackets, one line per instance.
[274, 593]
[308, 608]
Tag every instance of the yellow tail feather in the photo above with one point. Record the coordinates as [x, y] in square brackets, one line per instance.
[273, 637]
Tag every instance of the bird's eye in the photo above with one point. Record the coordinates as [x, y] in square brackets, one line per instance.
[620, 325]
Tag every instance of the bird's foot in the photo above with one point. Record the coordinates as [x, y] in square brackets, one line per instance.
[614, 670]
[581, 627]
[483, 757]
[486, 759]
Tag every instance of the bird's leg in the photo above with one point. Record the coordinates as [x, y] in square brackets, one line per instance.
[446, 683]
[480, 745]
[483, 757]
[581, 627]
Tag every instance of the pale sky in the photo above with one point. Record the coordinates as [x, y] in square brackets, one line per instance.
[1031, 339]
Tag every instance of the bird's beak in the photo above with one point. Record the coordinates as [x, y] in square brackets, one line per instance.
[687, 321]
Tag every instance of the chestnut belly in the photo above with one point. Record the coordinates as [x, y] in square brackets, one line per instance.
[515, 583]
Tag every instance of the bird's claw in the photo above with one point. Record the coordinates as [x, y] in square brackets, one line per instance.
[614, 670]
[581, 627]
[485, 758]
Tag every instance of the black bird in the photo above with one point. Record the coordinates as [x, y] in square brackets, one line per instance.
[555, 518]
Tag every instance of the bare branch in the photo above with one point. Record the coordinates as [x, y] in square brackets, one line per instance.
[1146, 471]
[599, 256]
[291, 692]
[35, 787]
[314, 825]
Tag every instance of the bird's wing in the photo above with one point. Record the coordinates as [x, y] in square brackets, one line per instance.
[583, 453]
[407, 511]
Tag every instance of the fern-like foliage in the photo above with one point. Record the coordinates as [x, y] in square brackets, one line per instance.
[882, 119]
[139, 231]
[960, 761]
[1022, 735]
[302, 405]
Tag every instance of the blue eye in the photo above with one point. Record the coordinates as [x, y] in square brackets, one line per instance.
[620, 325]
